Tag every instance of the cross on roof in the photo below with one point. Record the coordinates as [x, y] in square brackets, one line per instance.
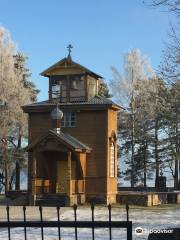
[69, 47]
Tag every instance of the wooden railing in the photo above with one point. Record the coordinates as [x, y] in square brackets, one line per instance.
[78, 186]
[40, 186]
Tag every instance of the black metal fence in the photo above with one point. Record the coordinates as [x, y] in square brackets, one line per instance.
[75, 224]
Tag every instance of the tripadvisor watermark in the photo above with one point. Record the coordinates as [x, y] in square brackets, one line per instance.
[141, 231]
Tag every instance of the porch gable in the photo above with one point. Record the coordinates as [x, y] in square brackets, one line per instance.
[53, 139]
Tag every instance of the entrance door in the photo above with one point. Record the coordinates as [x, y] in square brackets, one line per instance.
[61, 177]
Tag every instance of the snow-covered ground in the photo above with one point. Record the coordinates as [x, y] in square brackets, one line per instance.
[146, 218]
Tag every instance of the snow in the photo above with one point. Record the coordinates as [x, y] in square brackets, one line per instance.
[147, 219]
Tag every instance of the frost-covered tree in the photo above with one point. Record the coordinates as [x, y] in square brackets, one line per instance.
[170, 5]
[125, 84]
[169, 68]
[13, 94]
[126, 88]
[149, 125]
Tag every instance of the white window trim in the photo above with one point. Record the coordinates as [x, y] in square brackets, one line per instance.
[112, 160]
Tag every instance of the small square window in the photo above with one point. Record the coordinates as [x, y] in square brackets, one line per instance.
[69, 119]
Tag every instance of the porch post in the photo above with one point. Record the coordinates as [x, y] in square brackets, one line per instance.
[69, 183]
[33, 180]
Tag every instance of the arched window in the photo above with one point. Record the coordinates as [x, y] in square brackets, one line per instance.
[112, 160]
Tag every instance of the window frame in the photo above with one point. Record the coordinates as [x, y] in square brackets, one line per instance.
[69, 119]
[112, 160]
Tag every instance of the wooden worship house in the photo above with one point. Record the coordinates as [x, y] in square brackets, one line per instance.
[72, 151]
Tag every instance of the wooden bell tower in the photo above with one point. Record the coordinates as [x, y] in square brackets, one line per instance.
[88, 134]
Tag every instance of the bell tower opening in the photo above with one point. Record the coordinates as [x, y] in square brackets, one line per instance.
[70, 81]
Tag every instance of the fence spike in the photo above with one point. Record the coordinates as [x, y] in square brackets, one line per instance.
[92, 213]
[41, 218]
[24, 214]
[127, 211]
[8, 219]
[75, 218]
[92, 206]
[58, 216]
[109, 208]
[75, 207]
[110, 231]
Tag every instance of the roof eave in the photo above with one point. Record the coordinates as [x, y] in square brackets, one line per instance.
[117, 107]
[83, 150]
[47, 108]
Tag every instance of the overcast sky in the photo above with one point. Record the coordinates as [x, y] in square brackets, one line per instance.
[101, 31]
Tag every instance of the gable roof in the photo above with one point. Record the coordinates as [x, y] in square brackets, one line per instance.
[68, 61]
[64, 138]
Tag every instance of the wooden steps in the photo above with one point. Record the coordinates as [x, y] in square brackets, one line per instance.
[51, 200]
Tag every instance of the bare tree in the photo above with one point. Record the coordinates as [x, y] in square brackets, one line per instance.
[136, 68]
[170, 65]
[170, 5]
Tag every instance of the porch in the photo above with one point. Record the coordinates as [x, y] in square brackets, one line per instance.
[58, 169]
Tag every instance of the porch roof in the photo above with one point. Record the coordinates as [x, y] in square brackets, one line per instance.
[65, 138]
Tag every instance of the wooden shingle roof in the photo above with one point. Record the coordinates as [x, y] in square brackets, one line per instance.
[94, 101]
[64, 138]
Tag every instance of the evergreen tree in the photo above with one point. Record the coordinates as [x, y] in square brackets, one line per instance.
[172, 130]
[103, 89]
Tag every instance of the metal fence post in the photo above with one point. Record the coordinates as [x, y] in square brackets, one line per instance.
[129, 231]
[58, 217]
[110, 232]
[8, 220]
[75, 218]
[24, 214]
[41, 219]
[92, 212]
[127, 211]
